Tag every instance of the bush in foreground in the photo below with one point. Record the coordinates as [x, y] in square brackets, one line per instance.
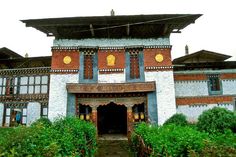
[177, 119]
[170, 140]
[217, 120]
[65, 137]
[174, 140]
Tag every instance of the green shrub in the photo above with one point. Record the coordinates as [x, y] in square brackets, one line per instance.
[216, 120]
[221, 144]
[178, 119]
[76, 136]
[170, 140]
[66, 137]
[44, 121]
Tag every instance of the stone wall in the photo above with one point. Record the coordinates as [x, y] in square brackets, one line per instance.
[33, 112]
[58, 94]
[1, 113]
[192, 112]
[191, 88]
[165, 93]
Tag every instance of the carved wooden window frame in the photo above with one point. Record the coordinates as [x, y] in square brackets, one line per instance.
[3, 85]
[88, 66]
[214, 84]
[134, 65]
[34, 84]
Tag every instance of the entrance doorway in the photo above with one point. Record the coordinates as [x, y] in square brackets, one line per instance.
[112, 119]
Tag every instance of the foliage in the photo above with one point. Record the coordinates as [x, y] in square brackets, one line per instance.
[175, 140]
[170, 140]
[65, 137]
[44, 121]
[75, 136]
[178, 119]
[217, 120]
[221, 144]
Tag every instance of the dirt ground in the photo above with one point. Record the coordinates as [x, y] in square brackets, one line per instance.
[114, 148]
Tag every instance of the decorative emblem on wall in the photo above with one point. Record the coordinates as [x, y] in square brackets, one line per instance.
[67, 59]
[111, 60]
[159, 57]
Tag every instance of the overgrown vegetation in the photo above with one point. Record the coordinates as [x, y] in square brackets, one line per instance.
[178, 119]
[217, 120]
[66, 137]
[178, 139]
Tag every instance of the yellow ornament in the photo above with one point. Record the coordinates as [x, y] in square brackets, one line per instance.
[159, 57]
[111, 60]
[67, 59]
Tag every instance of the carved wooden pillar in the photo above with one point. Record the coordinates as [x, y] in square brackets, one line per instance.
[129, 120]
[94, 115]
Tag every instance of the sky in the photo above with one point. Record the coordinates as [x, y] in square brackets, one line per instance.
[214, 31]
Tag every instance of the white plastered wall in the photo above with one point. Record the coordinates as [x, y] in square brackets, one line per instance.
[165, 93]
[191, 88]
[192, 112]
[111, 78]
[229, 87]
[1, 114]
[33, 112]
[58, 94]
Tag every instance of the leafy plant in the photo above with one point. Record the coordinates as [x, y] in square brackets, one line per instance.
[178, 119]
[217, 120]
[44, 121]
[66, 137]
[170, 140]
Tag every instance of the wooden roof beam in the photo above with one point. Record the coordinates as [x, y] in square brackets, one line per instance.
[92, 30]
[128, 29]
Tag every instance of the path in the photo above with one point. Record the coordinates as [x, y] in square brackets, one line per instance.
[113, 148]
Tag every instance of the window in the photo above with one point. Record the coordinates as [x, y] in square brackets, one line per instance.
[214, 84]
[44, 111]
[134, 65]
[2, 86]
[15, 114]
[33, 84]
[88, 66]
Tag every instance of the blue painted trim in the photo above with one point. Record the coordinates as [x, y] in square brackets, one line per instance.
[152, 107]
[71, 109]
[141, 68]
[95, 69]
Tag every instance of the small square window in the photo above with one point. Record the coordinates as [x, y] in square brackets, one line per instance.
[214, 85]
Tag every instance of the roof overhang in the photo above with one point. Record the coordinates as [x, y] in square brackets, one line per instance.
[6, 53]
[122, 26]
[201, 56]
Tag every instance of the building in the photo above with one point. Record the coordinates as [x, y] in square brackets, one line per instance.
[204, 80]
[114, 71]
[24, 87]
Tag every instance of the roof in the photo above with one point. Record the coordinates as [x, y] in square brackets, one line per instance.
[29, 62]
[205, 66]
[6, 53]
[201, 56]
[122, 26]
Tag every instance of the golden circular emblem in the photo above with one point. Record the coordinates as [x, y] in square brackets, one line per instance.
[159, 58]
[67, 59]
